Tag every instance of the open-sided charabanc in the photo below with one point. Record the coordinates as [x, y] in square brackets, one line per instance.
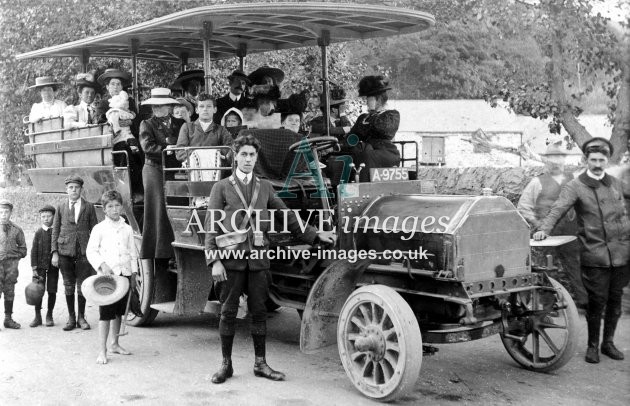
[463, 268]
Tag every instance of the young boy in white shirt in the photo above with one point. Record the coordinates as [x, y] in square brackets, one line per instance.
[111, 251]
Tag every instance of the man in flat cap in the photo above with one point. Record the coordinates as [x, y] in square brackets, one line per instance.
[604, 236]
[12, 249]
[536, 201]
[74, 220]
[235, 97]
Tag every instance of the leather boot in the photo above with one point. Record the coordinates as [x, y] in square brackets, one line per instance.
[610, 325]
[81, 322]
[8, 311]
[71, 324]
[37, 321]
[49, 319]
[592, 351]
[261, 369]
[225, 371]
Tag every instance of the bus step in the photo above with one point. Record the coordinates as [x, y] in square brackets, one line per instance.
[166, 307]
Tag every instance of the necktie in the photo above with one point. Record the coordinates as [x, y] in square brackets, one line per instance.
[72, 213]
[90, 111]
[245, 180]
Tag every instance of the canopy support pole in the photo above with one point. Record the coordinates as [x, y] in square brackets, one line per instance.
[206, 35]
[135, 43]
[323, 41]
[183, 61]
[241, 52]
[85, 60]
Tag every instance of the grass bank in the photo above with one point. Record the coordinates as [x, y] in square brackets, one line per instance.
[26, 204]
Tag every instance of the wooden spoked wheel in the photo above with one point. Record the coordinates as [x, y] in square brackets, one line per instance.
[379, 342]
[546, 339]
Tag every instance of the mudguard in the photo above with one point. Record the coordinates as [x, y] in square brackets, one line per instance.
[324, 303]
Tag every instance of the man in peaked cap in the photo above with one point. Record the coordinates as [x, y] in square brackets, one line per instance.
[604, 235]
[235, 97]
[12, 249]
[73, 223]
[536, 201]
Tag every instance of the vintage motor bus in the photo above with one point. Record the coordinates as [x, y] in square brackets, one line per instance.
[472, 279]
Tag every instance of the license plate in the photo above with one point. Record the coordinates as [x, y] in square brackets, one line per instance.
[389, 174]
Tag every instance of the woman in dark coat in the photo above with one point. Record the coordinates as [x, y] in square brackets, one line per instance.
[157, 134]
[370, 139]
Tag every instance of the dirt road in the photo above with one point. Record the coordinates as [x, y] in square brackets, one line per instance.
[173, 361]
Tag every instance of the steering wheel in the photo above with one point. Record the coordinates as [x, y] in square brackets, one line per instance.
[316, 143]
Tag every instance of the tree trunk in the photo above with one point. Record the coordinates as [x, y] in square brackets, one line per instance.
[576, 131]
[621, 124]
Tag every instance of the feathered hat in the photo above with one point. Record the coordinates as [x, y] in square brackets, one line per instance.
[373, 85]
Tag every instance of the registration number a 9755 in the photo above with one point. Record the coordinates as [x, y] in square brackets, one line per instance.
[389, 174]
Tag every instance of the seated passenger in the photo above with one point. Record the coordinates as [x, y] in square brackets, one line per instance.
[184, 110]
[313, 109]
[114, 81]
[203, 132]
[84, 113]
[49, 106]
[120, 117]
[191, 82]
[291, 121]
[339, 125]
[233, 121]
[250, 113]
[266, 97]
[235, 97]
[374, 130]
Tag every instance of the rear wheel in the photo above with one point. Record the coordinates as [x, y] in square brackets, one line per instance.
[379, 343]
[545, 340]
[145, 284]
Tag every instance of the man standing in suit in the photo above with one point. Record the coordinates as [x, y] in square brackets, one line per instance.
[74, 220]
[249, 275]
[235, 98]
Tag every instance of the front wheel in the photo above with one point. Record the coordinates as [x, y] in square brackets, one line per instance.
[546, 339]
[379, 342]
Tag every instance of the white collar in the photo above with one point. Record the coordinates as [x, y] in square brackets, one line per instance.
[234, 97]
[592, 175]
[78, 201]
[116, 223]
[45, 228]
[240, 175]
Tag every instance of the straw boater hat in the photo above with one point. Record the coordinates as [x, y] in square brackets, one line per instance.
[187, 76]
[124, 77]
[373, 85]
[554, 149]
[46, 81]
[241, 75]
[104, 290]
[257, 76]
[160, 96]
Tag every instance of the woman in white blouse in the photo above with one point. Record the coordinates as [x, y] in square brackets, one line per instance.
[49, 106]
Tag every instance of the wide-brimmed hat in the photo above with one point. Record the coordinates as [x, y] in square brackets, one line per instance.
[373, 85]
[111, 73]
[87, 80]
[598, 142]
[185, 76]
[241, 75]
[257, 76]
[5, 202]
[187, 104]
[104, 290]
[554, 149]
[74, 179]
[160, 96]
[46, 81]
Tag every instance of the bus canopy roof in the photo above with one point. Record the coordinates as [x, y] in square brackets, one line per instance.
[259, 27]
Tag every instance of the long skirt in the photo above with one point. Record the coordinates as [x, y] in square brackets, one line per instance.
[157, 234]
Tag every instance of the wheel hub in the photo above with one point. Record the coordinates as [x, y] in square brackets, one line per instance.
[372, 341]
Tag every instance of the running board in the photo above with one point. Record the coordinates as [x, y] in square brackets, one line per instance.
[212, 306]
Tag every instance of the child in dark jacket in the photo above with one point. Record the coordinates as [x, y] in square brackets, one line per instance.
[12, 249]
[43, 270]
